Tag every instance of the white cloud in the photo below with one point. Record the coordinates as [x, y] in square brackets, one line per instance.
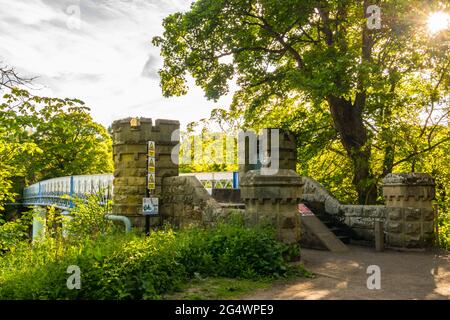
[101, 63]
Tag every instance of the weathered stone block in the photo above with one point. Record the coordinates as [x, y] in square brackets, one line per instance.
[412, 214]
[395, 213]
[361, 222]
[395, 227]
[412, 229]
[352, 211]
[428, 228]
[331, 205]
[428, 214]
[396, 240]
[273, 199]
[408, 198]
[289, 223]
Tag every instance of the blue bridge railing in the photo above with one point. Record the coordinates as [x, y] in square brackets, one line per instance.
[59, 192]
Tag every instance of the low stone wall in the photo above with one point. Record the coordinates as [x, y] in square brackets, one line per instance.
[361, 219]
[185, 202]
[408, 216]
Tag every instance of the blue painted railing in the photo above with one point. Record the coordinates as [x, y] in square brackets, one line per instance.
[58, 192]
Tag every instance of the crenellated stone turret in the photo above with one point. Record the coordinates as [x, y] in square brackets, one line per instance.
[130, 137]
[410, 215]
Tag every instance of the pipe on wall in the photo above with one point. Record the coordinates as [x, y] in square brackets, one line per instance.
[125, 220]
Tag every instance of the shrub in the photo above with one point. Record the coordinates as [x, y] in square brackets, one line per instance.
[89, 218]
[13, 232]
[119, 266]
[444, 230]
[231, 250]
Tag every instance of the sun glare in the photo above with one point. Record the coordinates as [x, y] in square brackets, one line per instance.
[438, 21]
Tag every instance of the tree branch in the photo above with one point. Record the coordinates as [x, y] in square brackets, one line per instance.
[412, 155]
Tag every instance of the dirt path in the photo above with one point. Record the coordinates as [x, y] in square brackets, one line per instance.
[404, 275]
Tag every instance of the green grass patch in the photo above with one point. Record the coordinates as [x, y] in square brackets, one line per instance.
[217, 288]
[227, 288]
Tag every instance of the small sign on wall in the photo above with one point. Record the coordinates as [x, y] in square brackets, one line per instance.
[150, 206]
[151, 165]
[151, 181]
[151, 148]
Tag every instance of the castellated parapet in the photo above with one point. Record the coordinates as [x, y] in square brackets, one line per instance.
[130, 137]
[410, 214]
[273, 200]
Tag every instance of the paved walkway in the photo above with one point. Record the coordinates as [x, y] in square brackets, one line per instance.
[404, 275]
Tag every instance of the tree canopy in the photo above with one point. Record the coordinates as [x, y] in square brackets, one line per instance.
[316, 67]
[44, 137]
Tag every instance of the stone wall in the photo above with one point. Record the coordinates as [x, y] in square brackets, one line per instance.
[273, 200]
[286, 150]
[271, 191]
[408, 214]
[185, 202]
[360, 219]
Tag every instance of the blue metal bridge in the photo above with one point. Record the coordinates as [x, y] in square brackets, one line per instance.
[59, 192]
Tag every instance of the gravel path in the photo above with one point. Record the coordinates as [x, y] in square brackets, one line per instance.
[404, 275]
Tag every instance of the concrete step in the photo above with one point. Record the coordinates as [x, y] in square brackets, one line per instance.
[316, 234]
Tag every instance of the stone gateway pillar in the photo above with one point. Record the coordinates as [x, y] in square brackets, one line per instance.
[272, 196]
[410, 214]
[130, 138]
[273, 200]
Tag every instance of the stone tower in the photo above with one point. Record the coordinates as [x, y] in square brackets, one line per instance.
[130, 138]
[410, 214]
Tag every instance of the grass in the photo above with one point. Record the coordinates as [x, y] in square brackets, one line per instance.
[220, 288]
[217, 288]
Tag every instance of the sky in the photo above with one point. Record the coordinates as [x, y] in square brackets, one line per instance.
[98, 51]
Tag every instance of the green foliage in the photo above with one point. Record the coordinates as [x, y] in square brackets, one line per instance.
[208, 152]
[118, 266]
[349, 94]
[59, 135]
[444, 230]
[88, 218]
[231, 250]
[12, 233]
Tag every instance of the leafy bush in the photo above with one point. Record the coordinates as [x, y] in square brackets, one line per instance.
[13, 232]
[231, 250]
[119, 266]
[444, 230]
[88, 218]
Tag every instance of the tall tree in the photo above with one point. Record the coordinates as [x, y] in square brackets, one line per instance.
[322, 52]
[43, 137]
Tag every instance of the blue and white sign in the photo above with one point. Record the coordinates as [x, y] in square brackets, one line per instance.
[150, 206]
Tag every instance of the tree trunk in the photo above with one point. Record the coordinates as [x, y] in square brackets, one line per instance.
[389, 149]
[349, 124]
